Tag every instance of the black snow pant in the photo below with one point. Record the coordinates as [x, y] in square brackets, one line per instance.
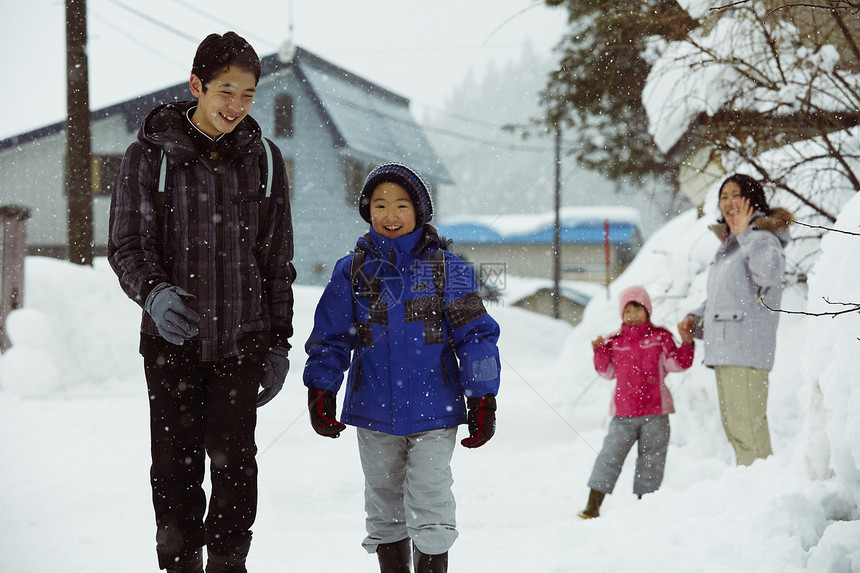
[198, 409]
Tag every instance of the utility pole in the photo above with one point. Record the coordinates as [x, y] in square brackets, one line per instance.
[556, 237]
[78, 155]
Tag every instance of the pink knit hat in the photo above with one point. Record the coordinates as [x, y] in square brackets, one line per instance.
[634, 294]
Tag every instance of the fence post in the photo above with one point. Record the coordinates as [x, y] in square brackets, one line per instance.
[13, 242]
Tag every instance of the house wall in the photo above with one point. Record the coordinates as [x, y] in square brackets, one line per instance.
[578, 262]
[33, 177]
[325, 223]
[542, 302]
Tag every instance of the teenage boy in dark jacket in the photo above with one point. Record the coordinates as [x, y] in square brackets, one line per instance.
[209, 261]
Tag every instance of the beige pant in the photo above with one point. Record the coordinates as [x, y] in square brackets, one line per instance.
[743, 406]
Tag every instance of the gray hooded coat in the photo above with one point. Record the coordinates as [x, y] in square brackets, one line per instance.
[745, 279]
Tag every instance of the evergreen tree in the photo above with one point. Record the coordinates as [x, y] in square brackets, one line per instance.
[597, 85]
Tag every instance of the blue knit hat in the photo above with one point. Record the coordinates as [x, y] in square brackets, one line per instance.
[404, 176]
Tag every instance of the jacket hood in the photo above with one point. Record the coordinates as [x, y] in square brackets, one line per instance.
[167, 126]
[635, 293]
[777, 223]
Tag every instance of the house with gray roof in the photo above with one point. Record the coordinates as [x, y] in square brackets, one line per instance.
[332, 126]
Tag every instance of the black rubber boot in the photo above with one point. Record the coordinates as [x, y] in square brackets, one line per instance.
[233, 563]
[431, 563]
[222, 564]
[395, 557]
[193, 563]
[592, 509]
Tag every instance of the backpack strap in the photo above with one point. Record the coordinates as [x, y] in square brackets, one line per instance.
[162, 183]
[356, 266]
[270, 174]
[266, 168]
[437, 264]
[159, 191]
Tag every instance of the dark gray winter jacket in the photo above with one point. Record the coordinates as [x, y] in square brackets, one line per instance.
[745, 279]
[215, 240]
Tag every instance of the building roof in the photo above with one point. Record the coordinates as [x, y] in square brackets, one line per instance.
[517, 289]
[579, 225]
[364, 118]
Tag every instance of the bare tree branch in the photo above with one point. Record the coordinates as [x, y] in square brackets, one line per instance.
[855, 307]
[840, 5]
[826, 229]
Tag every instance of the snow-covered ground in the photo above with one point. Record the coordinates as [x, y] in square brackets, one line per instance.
[74, 491]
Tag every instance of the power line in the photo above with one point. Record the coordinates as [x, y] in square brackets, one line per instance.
[227, 25]
[146, 46]
[511, 19]
[156, 22]
[440, 130]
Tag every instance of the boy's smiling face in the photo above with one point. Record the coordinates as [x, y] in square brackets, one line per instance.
[392, 213]
[225, 103]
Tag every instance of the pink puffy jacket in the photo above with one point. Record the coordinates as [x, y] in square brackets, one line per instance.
[639, 357]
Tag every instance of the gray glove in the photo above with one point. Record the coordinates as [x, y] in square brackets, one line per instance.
[274, 373]
[176, 322]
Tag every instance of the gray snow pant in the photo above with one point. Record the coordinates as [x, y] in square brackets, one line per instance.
[407, 489]
[652, 432]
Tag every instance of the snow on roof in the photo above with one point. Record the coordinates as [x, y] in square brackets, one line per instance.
[369, 119]
[578, 225]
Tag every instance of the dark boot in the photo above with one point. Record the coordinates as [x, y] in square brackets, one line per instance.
[225, 564]
[233, 562]
[394, 557]
[192, 563]
[592, 509]
[431, 563]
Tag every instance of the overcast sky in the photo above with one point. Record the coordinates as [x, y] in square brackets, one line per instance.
[418, 48]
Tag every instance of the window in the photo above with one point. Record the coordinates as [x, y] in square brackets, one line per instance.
[354, 173]
[104, 171]
[284, 115]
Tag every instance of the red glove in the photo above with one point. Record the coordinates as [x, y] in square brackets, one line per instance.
[321, 405]
[482, 421]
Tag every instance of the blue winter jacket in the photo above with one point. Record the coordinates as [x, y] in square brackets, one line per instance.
[403, 373]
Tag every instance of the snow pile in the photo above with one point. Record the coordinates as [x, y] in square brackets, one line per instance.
[832, 360]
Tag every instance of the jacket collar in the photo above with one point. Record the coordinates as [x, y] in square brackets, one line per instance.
[168, 127]
[419, 243]
[777, 223]
[640, 329]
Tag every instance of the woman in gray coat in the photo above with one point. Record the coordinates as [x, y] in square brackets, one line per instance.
[738, 329]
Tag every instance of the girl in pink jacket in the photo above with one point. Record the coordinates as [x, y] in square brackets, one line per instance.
[638, 356]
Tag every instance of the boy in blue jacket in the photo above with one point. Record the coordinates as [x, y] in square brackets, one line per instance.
[421, 351]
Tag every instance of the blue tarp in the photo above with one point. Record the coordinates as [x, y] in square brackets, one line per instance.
[582, 234]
